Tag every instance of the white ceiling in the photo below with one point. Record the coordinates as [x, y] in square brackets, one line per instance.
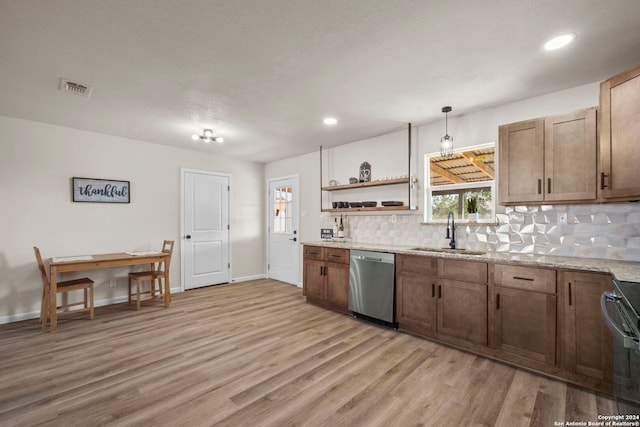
[266, 72]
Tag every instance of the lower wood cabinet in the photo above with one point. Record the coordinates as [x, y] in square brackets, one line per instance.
[587, 342]
[326, 276]
[429, 305]
[525, 312]
[415, 293]
[525, 324]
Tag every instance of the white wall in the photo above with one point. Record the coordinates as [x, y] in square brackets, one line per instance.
[387, 154]
[37, 162]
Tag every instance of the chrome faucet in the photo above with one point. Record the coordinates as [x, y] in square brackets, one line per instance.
[451, 230]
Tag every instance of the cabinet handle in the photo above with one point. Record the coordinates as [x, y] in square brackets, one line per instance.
[433, 290]
[439, 291]
[539, 186]
[497, 301]
[528, 279]
[312, 253]
[321, 270]
[335, 256]
[549, 185]
[326, 270]
[602, 177]
[569, 293]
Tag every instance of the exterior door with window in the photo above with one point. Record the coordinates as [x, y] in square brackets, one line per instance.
[284, 246]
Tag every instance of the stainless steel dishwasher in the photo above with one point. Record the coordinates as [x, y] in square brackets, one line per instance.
[372, 285]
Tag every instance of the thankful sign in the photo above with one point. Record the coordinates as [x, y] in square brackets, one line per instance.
[100, 190]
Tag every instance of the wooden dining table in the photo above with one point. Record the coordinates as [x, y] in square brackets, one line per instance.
[93, 262]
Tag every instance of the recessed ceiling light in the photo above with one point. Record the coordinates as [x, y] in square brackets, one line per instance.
[560, 41]
[330, 121]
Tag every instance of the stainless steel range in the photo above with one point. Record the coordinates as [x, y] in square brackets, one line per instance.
[621, 313]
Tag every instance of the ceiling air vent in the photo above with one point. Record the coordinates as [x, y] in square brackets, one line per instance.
[75, 88]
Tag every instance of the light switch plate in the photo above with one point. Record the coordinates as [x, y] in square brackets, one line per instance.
[113, 283]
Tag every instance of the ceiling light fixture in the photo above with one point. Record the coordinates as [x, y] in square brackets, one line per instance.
[446, 142]
[330, 121]
[207, 136]
[560, 41]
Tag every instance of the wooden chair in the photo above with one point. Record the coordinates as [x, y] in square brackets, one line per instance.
[84, 284]
[156, 276]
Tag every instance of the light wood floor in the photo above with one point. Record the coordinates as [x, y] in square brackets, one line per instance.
[255, 354]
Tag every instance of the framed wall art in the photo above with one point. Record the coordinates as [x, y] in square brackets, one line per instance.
[100, 190]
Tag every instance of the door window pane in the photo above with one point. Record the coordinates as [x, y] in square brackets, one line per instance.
[282, 205]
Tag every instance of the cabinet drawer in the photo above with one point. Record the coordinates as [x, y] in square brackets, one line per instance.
[336, 255]
[421, 265]
[466, 271]
[314, 252]
[529, 278]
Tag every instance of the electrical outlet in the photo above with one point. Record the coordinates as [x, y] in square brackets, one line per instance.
[562, 218]
[392, 218]
[113, 283]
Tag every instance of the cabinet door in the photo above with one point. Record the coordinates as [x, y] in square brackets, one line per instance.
[337, 285]
[313, 279]
[416, 302]
[619, 136]
[521, 170]
[525, 324]
[587, 344]
[570, 156]
[462, 310]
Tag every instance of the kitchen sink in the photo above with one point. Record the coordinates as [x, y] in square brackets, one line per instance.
[450, 251]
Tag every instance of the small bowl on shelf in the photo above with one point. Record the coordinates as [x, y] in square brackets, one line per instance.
[355, 204]
[370, 204]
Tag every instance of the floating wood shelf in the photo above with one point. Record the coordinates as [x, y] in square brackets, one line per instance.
[378, 208]
[367, 184]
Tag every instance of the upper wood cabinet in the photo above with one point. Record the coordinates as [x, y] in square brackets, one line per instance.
[620, 136]
[551, 159]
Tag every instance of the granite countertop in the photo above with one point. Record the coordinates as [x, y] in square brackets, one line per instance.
[628, 271]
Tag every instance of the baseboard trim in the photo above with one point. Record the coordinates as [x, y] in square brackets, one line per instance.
[36, 314]
[248, 278]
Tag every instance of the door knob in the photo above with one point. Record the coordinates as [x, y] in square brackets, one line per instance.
[188, 236]
[294, 239]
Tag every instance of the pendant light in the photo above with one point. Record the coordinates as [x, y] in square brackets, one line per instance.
[446, 142]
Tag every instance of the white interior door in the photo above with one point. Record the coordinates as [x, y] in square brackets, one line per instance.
[284, 249]
[205, 222]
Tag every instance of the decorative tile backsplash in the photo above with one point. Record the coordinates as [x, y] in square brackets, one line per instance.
[608, 231]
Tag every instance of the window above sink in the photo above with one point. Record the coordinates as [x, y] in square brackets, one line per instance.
[451, 181]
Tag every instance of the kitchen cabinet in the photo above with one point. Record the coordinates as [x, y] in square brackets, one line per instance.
[619, 136]
[551, 159]
[442, 298]
[525, 312]
[587, 342]
[326, 276]
[415, 293]
[462, 300]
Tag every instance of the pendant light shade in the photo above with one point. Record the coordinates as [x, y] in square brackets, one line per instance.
[446, 142]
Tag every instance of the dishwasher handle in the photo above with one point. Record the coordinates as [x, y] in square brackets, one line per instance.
[366, 258]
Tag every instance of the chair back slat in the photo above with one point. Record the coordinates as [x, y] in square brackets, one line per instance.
[43, 271]
[167, 247]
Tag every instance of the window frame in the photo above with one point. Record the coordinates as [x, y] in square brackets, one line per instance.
[429, 189]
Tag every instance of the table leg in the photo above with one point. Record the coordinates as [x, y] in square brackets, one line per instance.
[53, 292]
